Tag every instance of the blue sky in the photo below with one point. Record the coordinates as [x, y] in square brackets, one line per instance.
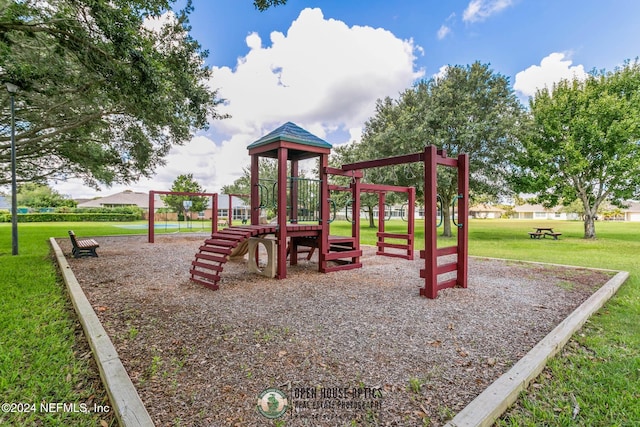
[323, 64]
[511, 35]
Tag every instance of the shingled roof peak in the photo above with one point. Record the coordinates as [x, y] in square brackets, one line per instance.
[291, 132]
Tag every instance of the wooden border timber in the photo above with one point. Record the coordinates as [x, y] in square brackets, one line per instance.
[502, 393]
[124, 398]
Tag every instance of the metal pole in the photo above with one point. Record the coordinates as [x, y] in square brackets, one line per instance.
[14, 187]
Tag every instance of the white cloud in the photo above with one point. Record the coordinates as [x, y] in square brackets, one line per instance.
[479, 10]
[552, 69]
[442, 72]
[443, 32]
[322, 74]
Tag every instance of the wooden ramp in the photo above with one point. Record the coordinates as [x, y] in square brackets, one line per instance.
[216, 251]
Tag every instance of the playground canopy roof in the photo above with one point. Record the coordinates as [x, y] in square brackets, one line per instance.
[289, 132]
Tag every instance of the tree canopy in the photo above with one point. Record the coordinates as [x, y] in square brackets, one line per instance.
[186, 183]
[105, 87]
[42, 196]
[584, 142]
[469, 109]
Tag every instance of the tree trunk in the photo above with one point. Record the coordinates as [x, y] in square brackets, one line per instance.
[447, 212]
[372, 223]
[589, 226]
[446, 221]
[590, 214]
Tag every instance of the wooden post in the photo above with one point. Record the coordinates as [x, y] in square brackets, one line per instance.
[294, 192]
[463, 219]
[323, 246]
[381, 214]
[282, 213]
[430, 289]
[355, 215]
[255, 191]
[152, 219]
[411, 216]
[214, 216]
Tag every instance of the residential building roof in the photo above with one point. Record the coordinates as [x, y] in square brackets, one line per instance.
[141, 200]
[482, 207]
[125, 198]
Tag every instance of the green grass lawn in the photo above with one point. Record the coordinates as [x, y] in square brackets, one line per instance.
[43, 354]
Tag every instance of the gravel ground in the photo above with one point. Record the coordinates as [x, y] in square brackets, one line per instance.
[357, 347]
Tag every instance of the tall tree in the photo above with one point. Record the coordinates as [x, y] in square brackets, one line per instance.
[348, 153]
[186, 183]
[106, 87]
[42, 196]
[469, 109]
[584, 142]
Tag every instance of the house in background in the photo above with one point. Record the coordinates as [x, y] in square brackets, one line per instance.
[126, 198]
[632, 212]
[528, 211]
[240, 210]
[485, 211]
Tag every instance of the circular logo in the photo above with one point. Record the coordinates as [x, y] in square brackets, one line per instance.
[272, 403]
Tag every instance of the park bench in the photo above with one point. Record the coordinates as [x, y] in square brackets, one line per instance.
[83, 247]
[554, 235]
[535, 234]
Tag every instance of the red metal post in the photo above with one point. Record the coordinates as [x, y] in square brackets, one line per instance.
[255, 191]
[463, 219]
[430, 289]
[282, 213]
[152, 219]
[355, 213]
[294, 192]
[214, 215]
[381, 214]
[411, 217]
[323, 246]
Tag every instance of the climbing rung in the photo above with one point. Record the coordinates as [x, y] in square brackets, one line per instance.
[224, 236]
[393, 245]
[223, 243]
[344, 254]
[199, 273]
[213, 258]
[206, 266]
[448, 250]
[216, 250]
[446, 268]
[394, 235]
[447, 284]
[396, 255]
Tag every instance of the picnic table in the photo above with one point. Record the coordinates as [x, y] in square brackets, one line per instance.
[543, 232]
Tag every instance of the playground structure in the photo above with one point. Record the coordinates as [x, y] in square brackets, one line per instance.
[431, 158]
[152, 199]
[304, 222]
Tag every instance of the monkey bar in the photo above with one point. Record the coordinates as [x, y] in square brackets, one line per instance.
[431, 158]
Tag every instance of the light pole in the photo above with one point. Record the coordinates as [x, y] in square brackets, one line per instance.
[12, 89]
